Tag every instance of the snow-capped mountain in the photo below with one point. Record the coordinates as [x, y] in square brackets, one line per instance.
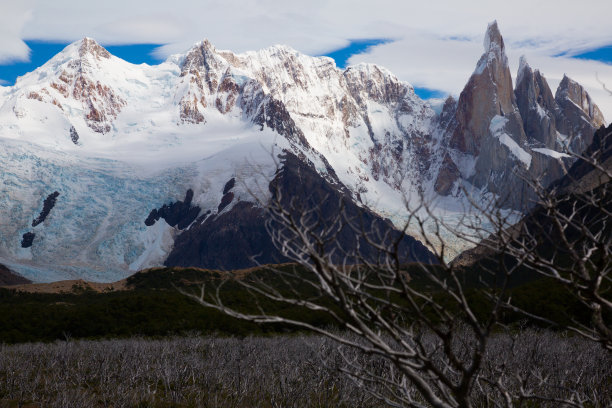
[109, 167]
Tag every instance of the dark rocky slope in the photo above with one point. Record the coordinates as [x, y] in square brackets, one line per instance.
[9, 278]
[231, 239]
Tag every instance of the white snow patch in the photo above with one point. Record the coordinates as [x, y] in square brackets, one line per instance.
[541, 111]
[551, 153]
[158, 240]
[498, 123]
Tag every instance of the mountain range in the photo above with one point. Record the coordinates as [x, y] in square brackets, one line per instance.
[110, 167]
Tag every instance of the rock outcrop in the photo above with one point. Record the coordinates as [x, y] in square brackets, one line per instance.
[180, 213]
[48, 205]
[487, 123]
[74, 135]
[537, 106]
[27, 239]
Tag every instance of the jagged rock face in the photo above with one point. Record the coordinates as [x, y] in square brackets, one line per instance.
[100, 102]
[180, 213]
[536, 105]
[448, 175]
[513, 136]
[539, 111]
[487, 122]
[200, 70]
[578, 116]
[75, 79]
[566, 121]
[487, 94]
[316, 105]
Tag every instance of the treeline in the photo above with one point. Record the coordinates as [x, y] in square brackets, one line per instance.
[152, 307]
[155, 307]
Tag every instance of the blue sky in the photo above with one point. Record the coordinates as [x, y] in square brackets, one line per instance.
[342, 55]
[603, 54]
[42, 51]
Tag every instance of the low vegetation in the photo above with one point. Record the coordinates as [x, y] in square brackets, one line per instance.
[278, 371]
[153, 307]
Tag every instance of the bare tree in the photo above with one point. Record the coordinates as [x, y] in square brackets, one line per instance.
[426, 320]
[567, 237]
[433, 322]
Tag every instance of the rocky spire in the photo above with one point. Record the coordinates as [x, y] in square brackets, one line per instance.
[494, 44]
[572, 91]
[487, 94]
[577, 116]
[488, 126]
[524, 69]
[487, 123]
[536, 105]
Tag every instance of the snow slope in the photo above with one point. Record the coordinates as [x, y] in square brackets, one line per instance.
[117, 140]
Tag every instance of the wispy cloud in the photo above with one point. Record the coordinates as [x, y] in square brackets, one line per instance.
[13, 17]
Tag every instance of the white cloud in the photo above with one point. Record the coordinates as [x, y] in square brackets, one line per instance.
[13, 17]
[424, 52]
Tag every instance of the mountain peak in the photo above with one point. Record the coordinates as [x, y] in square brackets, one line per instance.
[572, 91]
[523, 69]
[568, 88]
[89, 46]
[494, 50]
[202, 56]
[566, 82]
[493, 40]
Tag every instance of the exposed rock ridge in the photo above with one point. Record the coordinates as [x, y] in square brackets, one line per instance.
[77, 79]
[578, 116]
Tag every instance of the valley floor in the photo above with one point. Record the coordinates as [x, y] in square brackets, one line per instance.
[277, 371]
